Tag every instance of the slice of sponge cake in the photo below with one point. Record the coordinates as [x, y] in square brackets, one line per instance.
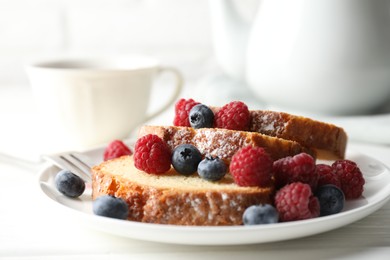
[327, 140]
[172, 198]
[224, 143]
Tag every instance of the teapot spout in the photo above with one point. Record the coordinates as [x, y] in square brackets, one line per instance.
[230, 36]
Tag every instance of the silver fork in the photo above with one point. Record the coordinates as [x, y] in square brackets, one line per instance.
[75, 162]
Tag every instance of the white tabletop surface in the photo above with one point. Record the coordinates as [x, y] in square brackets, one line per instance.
[31, 229]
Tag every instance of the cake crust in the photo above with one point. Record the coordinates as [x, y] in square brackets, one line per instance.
[163, 199]
[327, 140]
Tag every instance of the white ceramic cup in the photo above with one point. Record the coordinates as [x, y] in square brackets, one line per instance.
[91, 101]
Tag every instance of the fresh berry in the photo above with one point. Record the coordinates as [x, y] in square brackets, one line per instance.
[69, 184]
[182, 111]
[331, 199]
[201, 116]
[260, 214]
[251, 166]
[297, 168]
[212, 169]
[110, 206]
[185, 159]
[152, 154]
[327, 175]
[296, 201]
[234, 116]
[116, 149]
[351, 178]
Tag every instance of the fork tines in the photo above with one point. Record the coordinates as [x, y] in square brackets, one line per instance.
[71, 161]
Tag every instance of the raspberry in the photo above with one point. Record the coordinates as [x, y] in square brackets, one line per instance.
[296, 201]
[152, 154]
[326, 175]
[182, 111]
[351, 178]
[116, 149]
[251, 166]
[234, 116]
[297, 168]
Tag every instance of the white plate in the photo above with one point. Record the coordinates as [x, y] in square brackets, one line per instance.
[376, 194]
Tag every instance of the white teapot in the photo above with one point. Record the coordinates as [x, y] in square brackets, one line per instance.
[321, 56]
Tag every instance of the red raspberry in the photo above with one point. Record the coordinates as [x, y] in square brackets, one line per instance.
[116, 149]
[233, 116]
[182, 111]
[326, 175]
[296, 201]
[297, 168]
[351, 178]
[152, 154]
[251, 166]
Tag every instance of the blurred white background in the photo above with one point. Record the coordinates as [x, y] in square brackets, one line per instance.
[177, 31]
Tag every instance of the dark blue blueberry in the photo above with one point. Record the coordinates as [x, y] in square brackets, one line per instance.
[201, 116]
[69, 184]
[110, 206]
[331, 199]
[260, 214]
[185, 159]
[212, 169]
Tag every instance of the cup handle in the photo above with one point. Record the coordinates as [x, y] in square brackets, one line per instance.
[175, 94]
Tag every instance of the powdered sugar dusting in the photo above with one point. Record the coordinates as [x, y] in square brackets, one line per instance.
[177, 136]
[210, 207]
[223, 144]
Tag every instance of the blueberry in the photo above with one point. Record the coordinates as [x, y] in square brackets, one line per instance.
[331, 199]
[201, 116]
[260, 214]
[185, 159]
[110, 206]
[69, 184]
[212, 169]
